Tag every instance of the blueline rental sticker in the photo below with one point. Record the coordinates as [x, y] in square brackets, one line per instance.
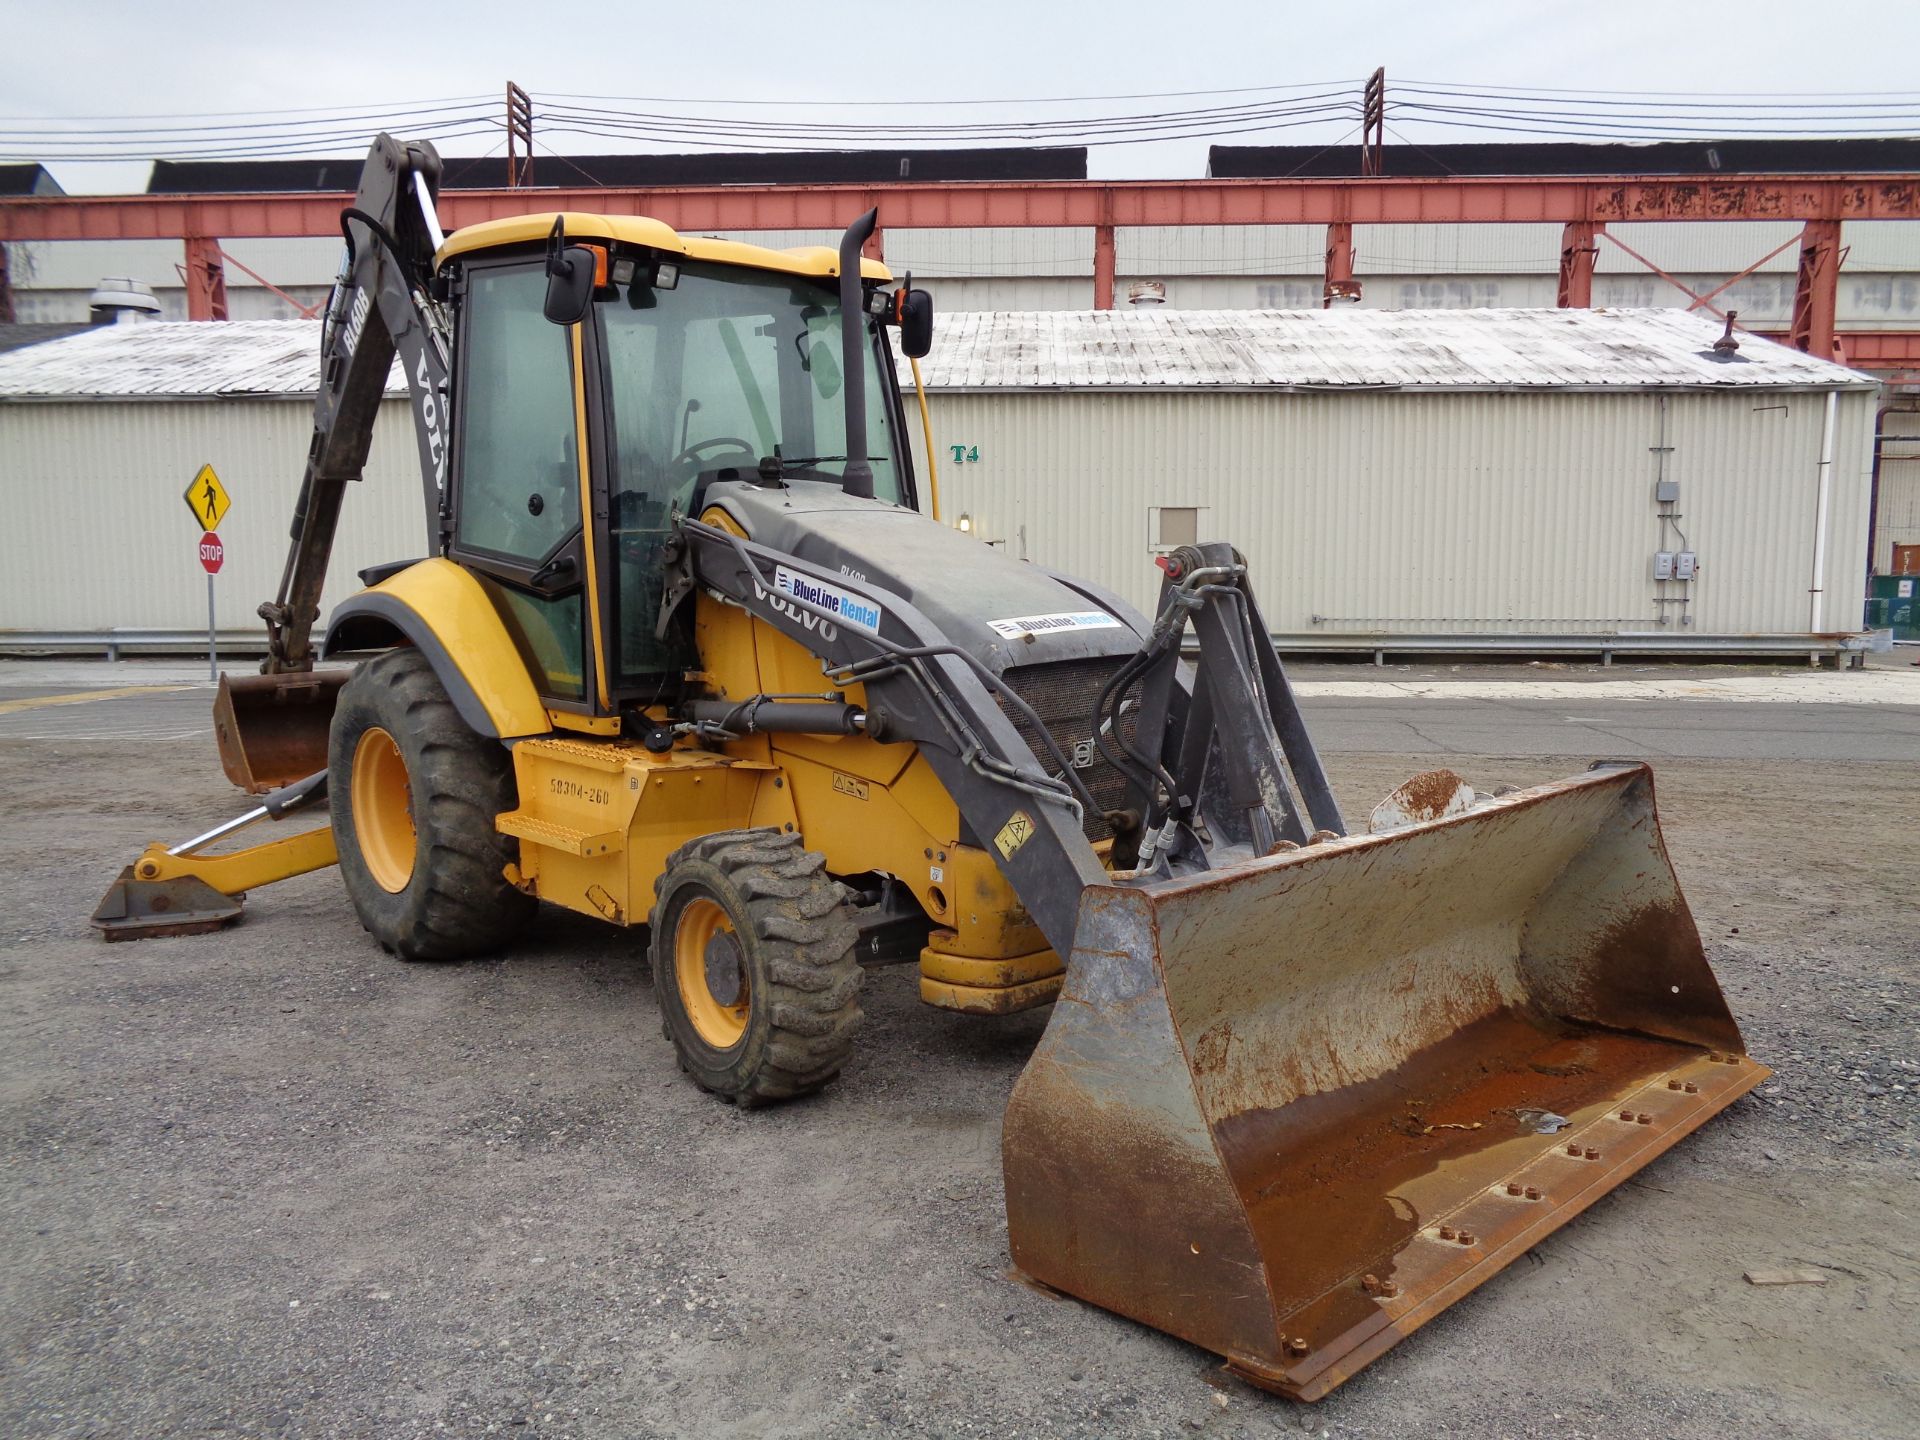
[1046, 624]
[841, 604]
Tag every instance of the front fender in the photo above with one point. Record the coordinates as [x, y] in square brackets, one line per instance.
[445, 613]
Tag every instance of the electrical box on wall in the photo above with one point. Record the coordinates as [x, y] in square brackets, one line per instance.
[1684, 564]
[1663, 565]
[1666, 492]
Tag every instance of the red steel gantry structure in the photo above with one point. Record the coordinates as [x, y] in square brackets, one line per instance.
[1583, 205]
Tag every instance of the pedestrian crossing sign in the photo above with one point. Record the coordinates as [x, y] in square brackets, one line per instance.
[207, 498]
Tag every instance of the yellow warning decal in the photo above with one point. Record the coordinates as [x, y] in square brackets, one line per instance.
[850, 785]
[1015, 833]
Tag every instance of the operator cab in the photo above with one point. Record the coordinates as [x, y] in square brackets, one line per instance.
[611, 369]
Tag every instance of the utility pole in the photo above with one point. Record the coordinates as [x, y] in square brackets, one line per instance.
[519, 136]
[1373, 122]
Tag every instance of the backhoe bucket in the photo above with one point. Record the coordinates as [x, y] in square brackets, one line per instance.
[272, 729]
[1292, 1109]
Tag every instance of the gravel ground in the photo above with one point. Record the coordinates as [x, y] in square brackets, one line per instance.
[273, 1182]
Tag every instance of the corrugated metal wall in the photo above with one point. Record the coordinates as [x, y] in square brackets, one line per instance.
[1408, 513]
[1420, 513]
[98, 538]
[1899, 488]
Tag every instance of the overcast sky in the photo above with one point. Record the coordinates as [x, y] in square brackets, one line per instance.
[118, 57]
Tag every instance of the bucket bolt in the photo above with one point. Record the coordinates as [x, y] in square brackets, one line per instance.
[1298, 1346]
[1643, 1118]
[1692, 1089]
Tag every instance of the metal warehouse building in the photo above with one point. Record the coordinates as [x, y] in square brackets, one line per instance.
[100, 434]
[1399, 480]
[1409, 479]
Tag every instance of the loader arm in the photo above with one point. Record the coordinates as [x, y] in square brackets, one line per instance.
[1243, 743]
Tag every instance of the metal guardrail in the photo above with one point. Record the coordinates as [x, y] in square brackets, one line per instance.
[1651, 645]
[118, 642]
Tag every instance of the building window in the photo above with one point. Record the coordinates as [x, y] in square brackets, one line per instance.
[1174, 526]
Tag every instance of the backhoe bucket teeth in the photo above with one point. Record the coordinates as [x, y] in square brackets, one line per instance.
[1292, 1109]
[272, 729]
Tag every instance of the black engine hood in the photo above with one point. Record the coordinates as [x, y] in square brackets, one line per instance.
[1004, 611]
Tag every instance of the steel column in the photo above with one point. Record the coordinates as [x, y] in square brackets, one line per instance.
[1340, 284]
[1103, 267]
[206, 277]
[1579, 245]
[1816, 291]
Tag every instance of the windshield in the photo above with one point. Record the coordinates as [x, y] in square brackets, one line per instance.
[728, 369]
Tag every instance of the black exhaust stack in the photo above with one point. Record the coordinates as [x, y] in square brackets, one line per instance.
[853, 354]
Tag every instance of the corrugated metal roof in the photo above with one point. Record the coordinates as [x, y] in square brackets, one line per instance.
[156, 360]
[1395, 349]
[1055, 350]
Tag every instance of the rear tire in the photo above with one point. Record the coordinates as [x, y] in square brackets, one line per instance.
[753, 964]
[413, 792]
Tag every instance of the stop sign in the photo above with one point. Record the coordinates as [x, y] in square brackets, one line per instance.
[212, 552]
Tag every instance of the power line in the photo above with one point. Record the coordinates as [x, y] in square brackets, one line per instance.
[1537, 112]
[941, 104]
[215, 114]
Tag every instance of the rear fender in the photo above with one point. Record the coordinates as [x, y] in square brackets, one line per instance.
[445, 613]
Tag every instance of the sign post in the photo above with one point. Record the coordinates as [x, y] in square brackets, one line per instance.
[207, 498]
[212, 556]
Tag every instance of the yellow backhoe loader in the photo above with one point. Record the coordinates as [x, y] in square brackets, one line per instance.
[683, 652]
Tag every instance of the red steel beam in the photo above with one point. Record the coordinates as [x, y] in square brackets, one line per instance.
[971, 204]
[206, 279]
[1881, 349]
[1578, 251]
[1337, 281]
[1816, 289]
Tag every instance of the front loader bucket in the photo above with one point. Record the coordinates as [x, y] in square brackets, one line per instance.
[1292, 1109]
[272, 729]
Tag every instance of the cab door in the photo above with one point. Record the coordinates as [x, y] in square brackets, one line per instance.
[517, 477]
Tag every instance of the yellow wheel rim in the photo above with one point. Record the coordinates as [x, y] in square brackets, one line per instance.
[383, 810]
[706, 952]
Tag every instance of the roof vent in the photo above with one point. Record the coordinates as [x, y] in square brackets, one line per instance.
[1147, 293]
[1726, 347]
[118, 300]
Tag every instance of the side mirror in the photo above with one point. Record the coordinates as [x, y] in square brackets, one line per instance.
[570, 278]
[913, 309]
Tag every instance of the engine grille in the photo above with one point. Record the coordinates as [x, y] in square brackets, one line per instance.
[1063, 695]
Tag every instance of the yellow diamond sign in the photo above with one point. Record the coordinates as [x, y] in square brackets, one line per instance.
[207, 498]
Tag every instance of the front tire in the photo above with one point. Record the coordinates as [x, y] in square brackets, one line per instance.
[753, 965]
[413, 792]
